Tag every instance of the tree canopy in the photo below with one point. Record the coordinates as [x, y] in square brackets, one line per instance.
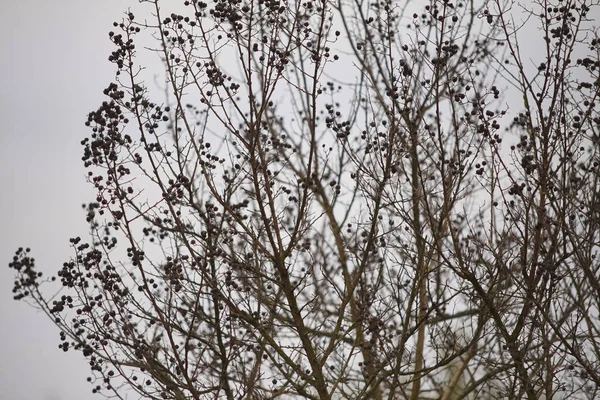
[340, 200]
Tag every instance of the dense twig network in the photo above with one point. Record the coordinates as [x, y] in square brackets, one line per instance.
[340, 200]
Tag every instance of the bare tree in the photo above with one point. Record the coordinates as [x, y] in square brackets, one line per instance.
[341, 200]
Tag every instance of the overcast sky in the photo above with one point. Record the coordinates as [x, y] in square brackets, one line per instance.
[52, 71]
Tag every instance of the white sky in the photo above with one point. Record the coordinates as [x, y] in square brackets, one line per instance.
[52, 71]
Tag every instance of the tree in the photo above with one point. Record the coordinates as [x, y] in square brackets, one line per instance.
[341, 200]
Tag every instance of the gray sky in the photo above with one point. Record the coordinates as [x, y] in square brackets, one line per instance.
[53, 69]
